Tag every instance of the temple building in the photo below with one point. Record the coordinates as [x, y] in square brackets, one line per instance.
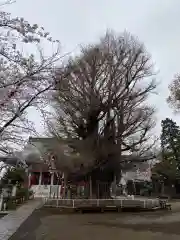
[47, 161]
[43, 178]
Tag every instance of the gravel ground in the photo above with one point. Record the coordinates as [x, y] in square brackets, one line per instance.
[46, 225]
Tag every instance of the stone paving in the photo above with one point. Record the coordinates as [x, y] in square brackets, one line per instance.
[11, 222]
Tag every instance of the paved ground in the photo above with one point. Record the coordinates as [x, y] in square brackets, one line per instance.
[11, 222]
[2, 214]
[45, 225]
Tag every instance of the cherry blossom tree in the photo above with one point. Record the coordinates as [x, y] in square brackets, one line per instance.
[26, 75]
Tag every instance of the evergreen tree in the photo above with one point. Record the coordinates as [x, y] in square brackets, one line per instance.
[170, 141]
[169, 166]
[13, 176]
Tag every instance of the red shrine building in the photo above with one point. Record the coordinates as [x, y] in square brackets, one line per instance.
[44, 182]
[44, 179]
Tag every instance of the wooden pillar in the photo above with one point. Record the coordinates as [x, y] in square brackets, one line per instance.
[52, 178]
[1, 202]
[162, 187]
[29, 180]
[134, 186]
[115, 180]
[90, 184]
[40, 178]
[63, 185]
[98, 190]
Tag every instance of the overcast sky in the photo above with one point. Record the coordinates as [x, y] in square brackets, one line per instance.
[73, 22]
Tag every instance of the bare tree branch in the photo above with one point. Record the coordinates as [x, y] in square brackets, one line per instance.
[25, 79]
[101, 99]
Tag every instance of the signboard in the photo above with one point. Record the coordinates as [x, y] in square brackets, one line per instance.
[54, 191]
[46, 191]
[41, 190]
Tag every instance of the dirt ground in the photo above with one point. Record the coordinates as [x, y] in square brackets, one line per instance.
[46, 225]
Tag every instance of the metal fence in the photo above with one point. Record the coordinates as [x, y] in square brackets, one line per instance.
[121, 203]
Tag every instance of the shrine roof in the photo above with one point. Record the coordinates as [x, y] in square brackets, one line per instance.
[9, 160]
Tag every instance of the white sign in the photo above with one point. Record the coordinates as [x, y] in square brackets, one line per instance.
[41, 190]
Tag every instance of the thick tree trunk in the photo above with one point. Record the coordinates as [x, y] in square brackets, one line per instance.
[101, 190]
[101, 183]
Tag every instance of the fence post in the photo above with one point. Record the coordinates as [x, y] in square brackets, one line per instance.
[121, 202]
[144, 203]
[73, 203]
[57, 203]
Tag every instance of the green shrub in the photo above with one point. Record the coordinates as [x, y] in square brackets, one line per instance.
[10, 204]
[22, 193]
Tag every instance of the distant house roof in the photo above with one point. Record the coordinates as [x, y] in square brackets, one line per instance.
[140, 171]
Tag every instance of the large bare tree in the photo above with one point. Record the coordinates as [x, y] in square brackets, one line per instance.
[26, 74]
[101, 100]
